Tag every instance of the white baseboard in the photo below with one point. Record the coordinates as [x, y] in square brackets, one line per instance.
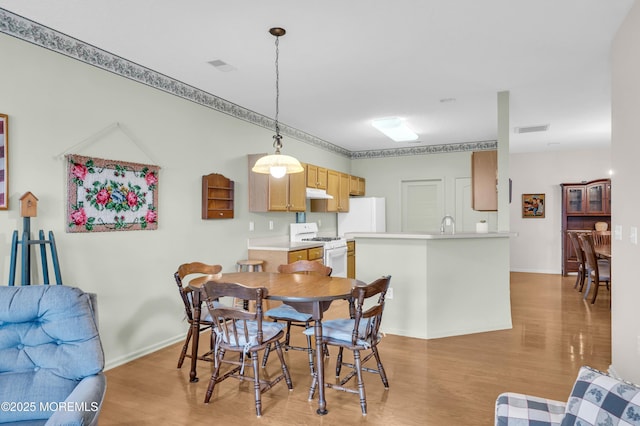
[463, 331]
[537, 271]
[112, 363]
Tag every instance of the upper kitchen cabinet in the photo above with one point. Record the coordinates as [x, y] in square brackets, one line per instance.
[343, 193]
[268, 194]
[356, 186]
[484, 179]
[338, 188]
[316, 176]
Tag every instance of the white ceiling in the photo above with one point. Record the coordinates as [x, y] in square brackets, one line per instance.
[344, 63]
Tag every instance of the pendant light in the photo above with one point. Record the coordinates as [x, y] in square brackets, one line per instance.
[277, 164]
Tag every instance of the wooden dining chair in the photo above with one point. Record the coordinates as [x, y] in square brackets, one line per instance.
[601, 238]
[597, 272]
[290, 315]
[358, 334]
[244, 332]
[582, 267]
[195, 269]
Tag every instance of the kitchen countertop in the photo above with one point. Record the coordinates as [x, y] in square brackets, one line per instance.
[280, 244]
[428, 235]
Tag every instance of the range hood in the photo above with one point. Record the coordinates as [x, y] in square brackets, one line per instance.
[318, 194]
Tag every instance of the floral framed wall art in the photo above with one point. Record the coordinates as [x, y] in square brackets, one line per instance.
[4, 163]
[108, 195]
[533, 205]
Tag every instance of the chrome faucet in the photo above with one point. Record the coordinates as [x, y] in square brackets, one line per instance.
[448, 221]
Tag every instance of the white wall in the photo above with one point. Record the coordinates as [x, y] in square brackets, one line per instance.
[384, 176]
[538, 246]
[625, 336]
[54, 103]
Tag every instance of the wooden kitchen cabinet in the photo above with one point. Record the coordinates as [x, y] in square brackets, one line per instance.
[484, 180]
[217, 197]
[294, 256]
[583, 204]
[274, 258]
[315, 253]
[351, 259]
[338, 187]
[356, 186]
[268, 194]
[316, 176]
[343, 193]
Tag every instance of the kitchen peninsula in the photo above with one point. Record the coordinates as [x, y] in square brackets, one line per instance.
[442, 284]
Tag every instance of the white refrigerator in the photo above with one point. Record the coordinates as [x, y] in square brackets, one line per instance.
[366, 214]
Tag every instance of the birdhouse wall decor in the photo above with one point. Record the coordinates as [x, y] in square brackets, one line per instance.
[28, 205]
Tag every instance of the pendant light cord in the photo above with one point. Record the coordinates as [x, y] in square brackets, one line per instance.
[277, 143]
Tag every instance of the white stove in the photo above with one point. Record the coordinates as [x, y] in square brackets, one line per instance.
[335, 248]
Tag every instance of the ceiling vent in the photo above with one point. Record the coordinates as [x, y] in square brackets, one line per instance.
[222, 65]
[531, 129]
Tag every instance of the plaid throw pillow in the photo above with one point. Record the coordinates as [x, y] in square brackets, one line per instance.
[516, 409]
[599, 399]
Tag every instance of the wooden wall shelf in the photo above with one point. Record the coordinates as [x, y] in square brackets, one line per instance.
[217, 197]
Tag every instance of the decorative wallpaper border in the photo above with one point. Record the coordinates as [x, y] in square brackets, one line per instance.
[425, 149]
[32, 32]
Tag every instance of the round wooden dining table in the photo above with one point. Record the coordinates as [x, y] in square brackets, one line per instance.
[603, 251]
[311, 294]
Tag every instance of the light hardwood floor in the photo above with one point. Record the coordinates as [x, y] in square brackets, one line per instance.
[440, 382]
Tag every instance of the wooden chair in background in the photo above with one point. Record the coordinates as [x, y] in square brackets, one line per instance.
[196, 269]
[601, 238]
[238, 330]
[357, 334]
[598, 271]
[290, 315]
[582, 268]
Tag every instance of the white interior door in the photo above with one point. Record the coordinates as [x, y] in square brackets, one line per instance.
[422, 205]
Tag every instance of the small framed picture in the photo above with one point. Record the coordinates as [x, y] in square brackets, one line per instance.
[4, 166]
[533, 205]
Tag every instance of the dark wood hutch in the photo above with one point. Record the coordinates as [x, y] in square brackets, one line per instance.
[583, 204]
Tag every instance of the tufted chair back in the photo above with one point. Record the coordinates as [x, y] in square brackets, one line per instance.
[50, 352]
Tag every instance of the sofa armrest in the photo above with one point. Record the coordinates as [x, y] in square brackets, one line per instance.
[516, 409]
[82, 406]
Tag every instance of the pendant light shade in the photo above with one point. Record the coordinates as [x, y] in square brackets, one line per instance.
[276, 164]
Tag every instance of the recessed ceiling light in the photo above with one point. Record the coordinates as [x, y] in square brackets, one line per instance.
[395, 128]
[222, 65]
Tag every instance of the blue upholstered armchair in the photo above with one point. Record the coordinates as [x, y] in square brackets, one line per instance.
[51, 358]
